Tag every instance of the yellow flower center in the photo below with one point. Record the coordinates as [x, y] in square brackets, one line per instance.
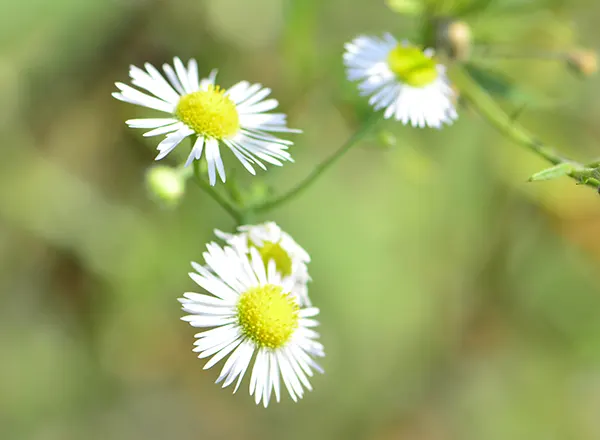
[412, 66]
[273, 251]
[209, 113]
[267, 315]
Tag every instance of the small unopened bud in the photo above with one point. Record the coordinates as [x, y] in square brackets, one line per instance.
[455, 38]
[583, 62]
[387, 139]
[165, 184]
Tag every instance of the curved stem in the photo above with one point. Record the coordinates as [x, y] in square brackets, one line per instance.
[487, 107]
[319, 169]
[225, 204]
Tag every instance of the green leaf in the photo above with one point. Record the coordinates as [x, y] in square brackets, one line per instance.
[560, 170]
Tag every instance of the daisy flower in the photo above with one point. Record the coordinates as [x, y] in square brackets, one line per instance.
[274, 244]
[237, 118]
[402, 79]
[252, 316]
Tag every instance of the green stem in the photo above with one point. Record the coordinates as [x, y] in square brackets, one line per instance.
[319, 169]
[491, 52]
[225, 204]
[487, 107]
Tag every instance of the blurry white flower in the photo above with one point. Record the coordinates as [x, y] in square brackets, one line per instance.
[274, 244]
[402, 79]
[251, 310]
[236, 118]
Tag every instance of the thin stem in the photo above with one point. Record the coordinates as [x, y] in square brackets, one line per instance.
[319, 169]
[491, 111]
[225, 204]
[493, 53]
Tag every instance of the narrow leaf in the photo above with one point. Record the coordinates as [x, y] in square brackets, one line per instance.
[560, 170]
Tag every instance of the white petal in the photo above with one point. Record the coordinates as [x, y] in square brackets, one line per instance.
[257, 379]
[133, 96]
[214, 286]
[172, 76]
[149, 122]
[213, 157]
[166, 129]
[159, 79]
[274, 376]
[171, 141]
[208, 321]
[199, 298]
[193, 78]
[220, 355]
[160, 88]
[245, 362]
[196, 152]
[182, 75]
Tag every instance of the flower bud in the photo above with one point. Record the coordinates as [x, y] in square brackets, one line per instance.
[454, 37]
[387, 139]
[165, 184]
[583, 62]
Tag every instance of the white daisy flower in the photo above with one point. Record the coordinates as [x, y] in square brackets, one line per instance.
[236, 118]
[251, 310]
[274, 244]
[402, 79]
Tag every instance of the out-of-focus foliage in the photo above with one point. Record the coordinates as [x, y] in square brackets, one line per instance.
[457, 300]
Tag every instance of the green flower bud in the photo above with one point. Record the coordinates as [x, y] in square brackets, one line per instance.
[166, 184]
[583, 62]
[387, 139]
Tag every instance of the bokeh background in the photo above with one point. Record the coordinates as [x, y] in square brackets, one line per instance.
[458, 302]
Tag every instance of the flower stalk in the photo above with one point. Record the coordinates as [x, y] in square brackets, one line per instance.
[243, 213]
[319, 169]
[483, 103]
[233, 210]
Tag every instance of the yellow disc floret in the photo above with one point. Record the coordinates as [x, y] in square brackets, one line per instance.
[267, 315]
[273, 251]
[412, 66]
[209, 113]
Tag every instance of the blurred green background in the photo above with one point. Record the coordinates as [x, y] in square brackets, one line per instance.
[458, 302]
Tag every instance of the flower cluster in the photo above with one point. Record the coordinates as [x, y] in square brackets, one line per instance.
[254, 307]
[404, 80]
[257, 307]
